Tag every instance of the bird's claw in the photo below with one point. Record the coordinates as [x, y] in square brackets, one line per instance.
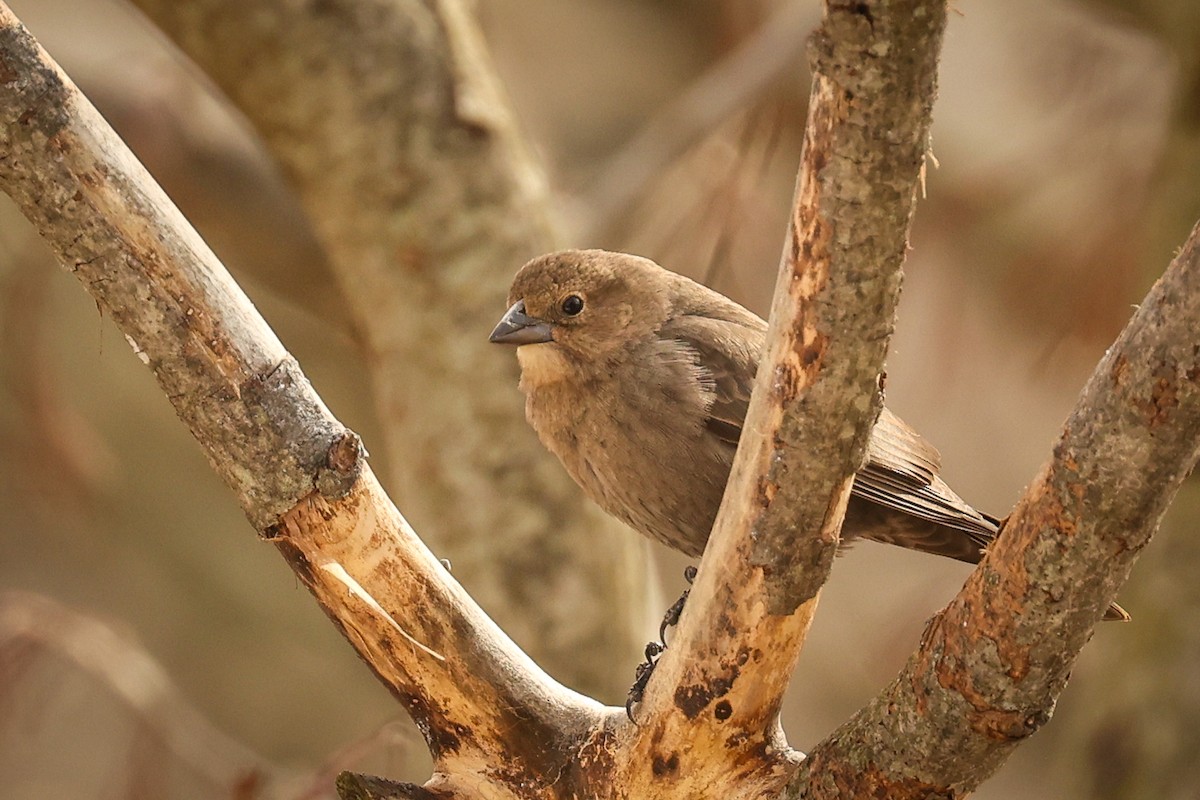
[641, 677]
[671, 618]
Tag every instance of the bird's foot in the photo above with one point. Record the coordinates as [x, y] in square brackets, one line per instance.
[671, 618]
[641, 677]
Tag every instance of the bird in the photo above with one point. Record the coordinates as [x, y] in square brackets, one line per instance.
[638, 379]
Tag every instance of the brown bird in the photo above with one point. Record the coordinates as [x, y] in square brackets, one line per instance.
[639, 379]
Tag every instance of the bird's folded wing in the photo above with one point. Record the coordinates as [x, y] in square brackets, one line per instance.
[902, 473]
[902, 468]
[727, 354]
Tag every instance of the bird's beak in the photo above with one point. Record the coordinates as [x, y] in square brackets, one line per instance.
[517, 327]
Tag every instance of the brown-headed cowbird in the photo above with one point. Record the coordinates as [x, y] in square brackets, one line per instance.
[639, 379]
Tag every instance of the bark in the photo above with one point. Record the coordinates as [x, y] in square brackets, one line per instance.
[386, 117]
[833, 313]
[987, 673]
[299, 474]
[1147, 735]
[490, 716]
[226, 373]
[992, 664]
[365, 787]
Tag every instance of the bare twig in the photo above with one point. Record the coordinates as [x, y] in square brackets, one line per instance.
[136, 680]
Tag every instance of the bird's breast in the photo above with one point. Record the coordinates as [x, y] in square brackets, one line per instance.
[636, 450]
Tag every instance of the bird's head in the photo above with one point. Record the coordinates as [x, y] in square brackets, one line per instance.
[585, 304]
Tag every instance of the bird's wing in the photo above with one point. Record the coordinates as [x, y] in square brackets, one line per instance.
[902, 473]
[727, 354]
[902, 468]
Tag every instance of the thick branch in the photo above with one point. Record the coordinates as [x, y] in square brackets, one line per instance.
[993, 663]
[816, 395]
[352, 786]
[298, 473]
[386, 117]
[228, 376]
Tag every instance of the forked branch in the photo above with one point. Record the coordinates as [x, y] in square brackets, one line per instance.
[987, 672]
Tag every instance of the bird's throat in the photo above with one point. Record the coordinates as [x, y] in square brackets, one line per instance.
[541, 365]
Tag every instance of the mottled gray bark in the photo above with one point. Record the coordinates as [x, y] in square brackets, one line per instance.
[480, 704]
[992, 664]
[299, 474]
[229, 378]
[386, 117]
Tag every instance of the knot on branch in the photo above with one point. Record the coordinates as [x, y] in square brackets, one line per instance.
[343, 465]
[292, 444]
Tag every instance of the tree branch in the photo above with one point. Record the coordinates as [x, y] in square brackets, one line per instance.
[402, 148]
[352, 786]
[122, 669]
[986, 675]
[992, 664]
[479, 701]
[833, 313]
[298, 473]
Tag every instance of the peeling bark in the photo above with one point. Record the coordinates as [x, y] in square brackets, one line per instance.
[489, 715]
[722, 680]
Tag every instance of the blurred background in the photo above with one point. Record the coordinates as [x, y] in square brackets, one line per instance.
[151, 646]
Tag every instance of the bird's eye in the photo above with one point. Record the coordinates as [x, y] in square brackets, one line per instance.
[572, 304]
